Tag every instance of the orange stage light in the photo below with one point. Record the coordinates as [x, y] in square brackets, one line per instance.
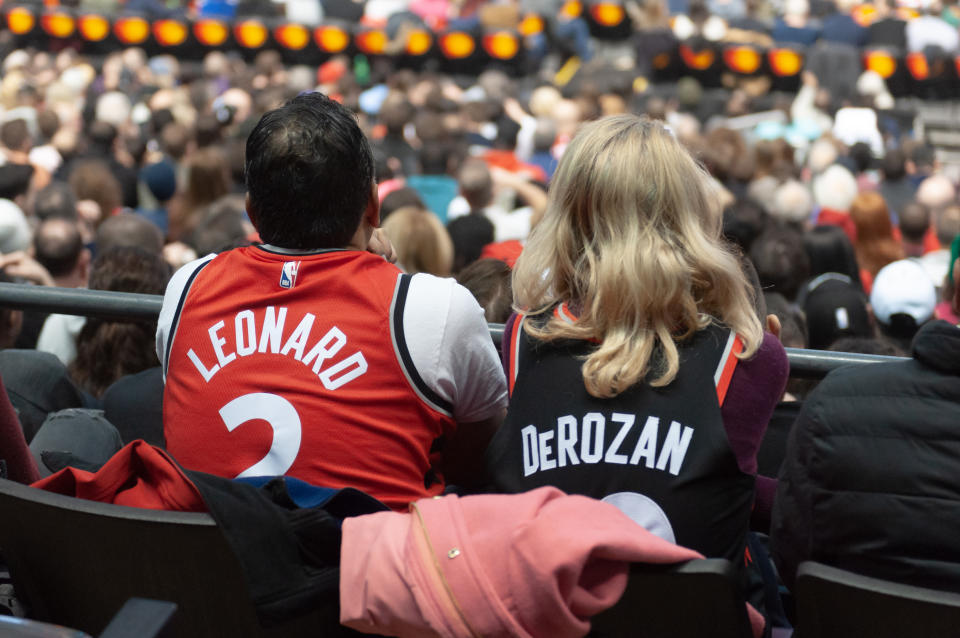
[864, 15]
[785, 63]
[250, 34]
[131, 30]
[607, 14]
[419, 42]
[20, 21]
[744, 60]
[210, 33]
[457, 45]
[697, 60]
[918, 67]
[532, 24]
[572, 8]
[292, 36]
[59, 25]
[372, 42]
[881, 62]
[331, 39]
[501, 45]
[93, 28]
[169, 33]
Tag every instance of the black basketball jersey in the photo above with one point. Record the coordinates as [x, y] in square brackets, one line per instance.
[661, 454]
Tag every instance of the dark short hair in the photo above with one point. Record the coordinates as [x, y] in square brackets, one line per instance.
[14, 134]
[55, 201]
[58, 244]
[309, 173]
[780, 259]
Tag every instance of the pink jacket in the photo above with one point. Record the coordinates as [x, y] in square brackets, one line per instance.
[540, 563]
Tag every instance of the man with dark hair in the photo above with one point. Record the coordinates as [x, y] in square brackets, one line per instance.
[128, 230]
[58, 247]
[55, 201]
[781, 261]
[311, 357]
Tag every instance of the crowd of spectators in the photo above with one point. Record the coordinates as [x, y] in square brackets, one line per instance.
[115, 172]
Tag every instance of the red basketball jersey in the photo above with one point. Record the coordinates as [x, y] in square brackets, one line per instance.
[296, 364]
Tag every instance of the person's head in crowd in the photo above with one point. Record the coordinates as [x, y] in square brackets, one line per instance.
[113, 108]
[160, 179]
[773, 157]
[835, 307]
[835, 189]
[476, 184]
[469, 233]
[15, 182]
[48, 123]
[58, 247]
[208, 179]
[542, 101]
[399, 198]
[894, 165]
[489, 280]
[793, 325]
[108, 350]
[208, 131]
[868, 345]
[221, 226]
[395, 112]
[55, 201]
[102, 138]
[128, 230]
[436, 158]
[507, 132]
[875, 245]
[861, 157]
[780, 260]
[743, 221]
[310, 176]
[15, 135]
[830, 250]
[792, 203]
[923, 161]
[763, 191]
[175, 141]
[544, 135]
[821, 156]
[625, 197]
[92, 180]
[936, 192]
[903, 299]
[726, 156]
[947, 225]
[420, 240]
[567, 115]
[914, 224]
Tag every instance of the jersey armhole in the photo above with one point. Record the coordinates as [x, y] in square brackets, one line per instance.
[419, 386]
[726, 366]
[514, 352]
[174, 322]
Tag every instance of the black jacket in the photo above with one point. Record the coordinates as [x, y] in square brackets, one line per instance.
[871, 481]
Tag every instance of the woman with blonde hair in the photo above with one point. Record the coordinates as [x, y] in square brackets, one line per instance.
[420, 240]
[638, 368]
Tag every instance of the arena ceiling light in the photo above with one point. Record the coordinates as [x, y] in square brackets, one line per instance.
[532, 24]
[880, 61]
[742, 59]
[211, 33]
[784, 63]
[20, 21]
[250, 34]
[457, 45]
[607, 14]
[131, 30]
[331, 39]
[501, 45]
[170, 33]
[93, 28]
[697, 60]
[419, 42]
[292, 36]
[371, 41]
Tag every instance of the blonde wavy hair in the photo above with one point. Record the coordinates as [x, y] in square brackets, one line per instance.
[631, 239]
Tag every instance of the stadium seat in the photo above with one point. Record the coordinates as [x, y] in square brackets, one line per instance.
[75, 563]
[834, 602]
[696, 599]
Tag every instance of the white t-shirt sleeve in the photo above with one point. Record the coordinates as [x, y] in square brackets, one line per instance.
[176, 288]
[449, 343]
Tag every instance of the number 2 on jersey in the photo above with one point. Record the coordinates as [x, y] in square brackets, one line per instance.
[283, 420]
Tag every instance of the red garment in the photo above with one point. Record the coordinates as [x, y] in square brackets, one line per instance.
[507, 160]
[930, 242]
[506, 251]
[21, 466]
[944, 310]
[274, 367]
[830, 217]
[139, 475]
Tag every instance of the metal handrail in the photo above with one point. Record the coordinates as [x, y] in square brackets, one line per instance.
[125, 306]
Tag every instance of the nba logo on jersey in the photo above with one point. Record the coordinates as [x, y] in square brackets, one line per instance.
[288, 275]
